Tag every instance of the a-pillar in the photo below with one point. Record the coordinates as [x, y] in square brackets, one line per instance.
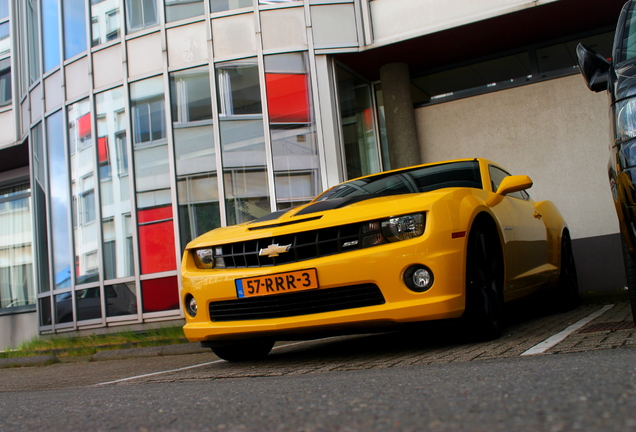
[404, 149]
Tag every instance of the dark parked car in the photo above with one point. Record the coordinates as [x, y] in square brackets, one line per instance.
[618, 76]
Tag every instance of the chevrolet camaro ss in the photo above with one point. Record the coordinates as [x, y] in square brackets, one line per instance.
[448, 240]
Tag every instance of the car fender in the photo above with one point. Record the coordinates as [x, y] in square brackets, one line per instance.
[555, 226]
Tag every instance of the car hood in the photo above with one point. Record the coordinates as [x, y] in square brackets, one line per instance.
[323, 214]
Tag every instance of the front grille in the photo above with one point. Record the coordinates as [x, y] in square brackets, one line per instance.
[295, 304]
[304, 245]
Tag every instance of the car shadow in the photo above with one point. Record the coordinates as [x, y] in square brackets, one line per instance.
[426, 338]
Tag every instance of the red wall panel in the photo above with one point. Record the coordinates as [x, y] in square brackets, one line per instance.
[287, 98]
[156, 240]
[160, 294]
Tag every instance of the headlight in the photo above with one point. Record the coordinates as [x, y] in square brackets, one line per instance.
[403, 227]
[209, 258]
[627, 154]
[625, 120]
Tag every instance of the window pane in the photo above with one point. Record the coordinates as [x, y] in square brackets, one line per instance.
[33, 40]
[242, 141]
[292, 129]
[141, 14]
[5, 42]
[197, 187]
[51, 34]
[223, 5]
[45, 311]
[41, 218]
[152, 177]
[5, 82]
[63, 308]
[4, 9]
[239, 88]
[88, 304]
[16, 254]
[82, 154]
[74, 27]
[244, 170]
[121, 299]
[358, 126]
[191, 99]
[182, 9]
[114, 183]
[58, 192]
[105, 21]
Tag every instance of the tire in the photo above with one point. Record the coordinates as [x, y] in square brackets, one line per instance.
[244, 350]
[568, 285]
[630, 274]
[483, 315]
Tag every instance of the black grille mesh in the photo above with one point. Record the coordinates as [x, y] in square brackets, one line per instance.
[304, 245]
[295, 304]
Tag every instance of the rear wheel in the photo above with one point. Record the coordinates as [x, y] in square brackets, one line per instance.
[568, 285]
[484, 284]
[630, 273]
[244, 350]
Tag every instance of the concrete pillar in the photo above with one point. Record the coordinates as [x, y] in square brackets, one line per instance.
[404, 149]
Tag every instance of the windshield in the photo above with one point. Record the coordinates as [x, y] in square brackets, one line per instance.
[414, 180]
[626, 36]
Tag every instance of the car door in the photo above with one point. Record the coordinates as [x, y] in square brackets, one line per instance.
[527, 246]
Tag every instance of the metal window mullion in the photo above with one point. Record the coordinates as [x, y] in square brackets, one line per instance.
[269, 158]
[314, 105]
[167, 118]
[131, 166]
[216, 129]
[97, 184]
[69, 222]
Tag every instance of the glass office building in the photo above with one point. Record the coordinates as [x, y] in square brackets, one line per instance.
[129, 127]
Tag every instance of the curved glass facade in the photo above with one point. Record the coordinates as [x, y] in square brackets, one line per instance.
[152, 122]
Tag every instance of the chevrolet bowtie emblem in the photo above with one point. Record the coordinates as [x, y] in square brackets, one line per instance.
[274, 250]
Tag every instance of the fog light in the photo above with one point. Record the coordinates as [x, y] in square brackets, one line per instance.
[418, 278]
[191, 305]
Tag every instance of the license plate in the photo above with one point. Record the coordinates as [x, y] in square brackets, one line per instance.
[279, 283]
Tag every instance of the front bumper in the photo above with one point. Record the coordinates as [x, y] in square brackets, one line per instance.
[382, 266]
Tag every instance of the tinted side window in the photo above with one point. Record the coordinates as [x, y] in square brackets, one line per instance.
[626, 36]
[496, 177]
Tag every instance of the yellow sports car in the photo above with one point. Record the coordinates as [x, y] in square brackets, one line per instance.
[455, 239]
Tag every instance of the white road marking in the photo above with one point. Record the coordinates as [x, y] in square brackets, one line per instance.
[555, 339]
[181, 369]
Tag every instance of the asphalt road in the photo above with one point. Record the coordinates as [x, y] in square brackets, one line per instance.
[591, 391]
[424, 379]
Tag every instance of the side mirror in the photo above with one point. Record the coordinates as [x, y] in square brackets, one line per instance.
[514, 183]
[593, 67]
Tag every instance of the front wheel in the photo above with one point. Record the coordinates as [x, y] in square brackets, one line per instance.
[484, 285]
[630, 273]
[244, 350]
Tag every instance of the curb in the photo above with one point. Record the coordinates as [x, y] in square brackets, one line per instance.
[185, 348]
[116, 354]
[28, 361]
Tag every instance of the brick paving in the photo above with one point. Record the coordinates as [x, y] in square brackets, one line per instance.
[602, 339]
[427, 346]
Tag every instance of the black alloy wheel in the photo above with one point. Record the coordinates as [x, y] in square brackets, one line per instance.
[244, 350]
[568, 285]
[484, 285]
[630, 273]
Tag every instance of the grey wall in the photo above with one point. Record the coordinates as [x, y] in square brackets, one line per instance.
[17, 328]
[557, 132]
